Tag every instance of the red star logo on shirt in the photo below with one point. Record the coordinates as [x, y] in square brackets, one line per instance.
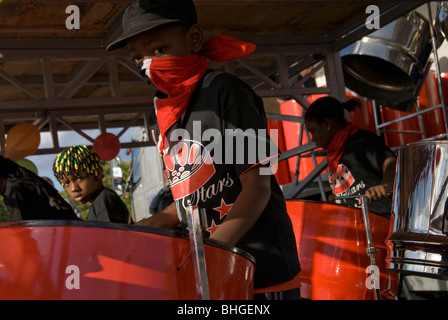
[213, 227]
[224, 209]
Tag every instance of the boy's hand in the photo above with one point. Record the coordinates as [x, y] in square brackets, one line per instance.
[165, 219]
[376, 193]
[247, 208]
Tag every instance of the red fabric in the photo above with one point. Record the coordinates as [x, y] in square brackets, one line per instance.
[225, 48]
[177, 76]
[337, 146]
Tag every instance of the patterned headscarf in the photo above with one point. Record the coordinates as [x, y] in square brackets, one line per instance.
[74, 160]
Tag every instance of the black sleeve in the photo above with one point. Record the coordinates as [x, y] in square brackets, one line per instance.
[115, 208]
[246, 140]
[377, 151]
[32, 200]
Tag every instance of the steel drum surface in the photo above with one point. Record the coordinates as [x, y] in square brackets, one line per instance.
[81, 260]
[419, 242]
[331, 243]
[387, 65]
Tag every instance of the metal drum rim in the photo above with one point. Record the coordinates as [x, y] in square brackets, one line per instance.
[420, 267]
[120, 226]
[404, 53]
[422, 143]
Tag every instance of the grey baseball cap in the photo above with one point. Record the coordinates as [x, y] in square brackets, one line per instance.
[145, 15]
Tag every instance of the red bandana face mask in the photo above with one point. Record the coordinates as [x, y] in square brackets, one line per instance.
[337, 146]
[177, 77]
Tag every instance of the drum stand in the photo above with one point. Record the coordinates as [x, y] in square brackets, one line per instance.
[197, 252]
[370, 248]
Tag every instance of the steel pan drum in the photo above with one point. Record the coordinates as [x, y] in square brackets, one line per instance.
[331, 242]
[86, 260]
[388, 65]
[441, 24]
[419, 242]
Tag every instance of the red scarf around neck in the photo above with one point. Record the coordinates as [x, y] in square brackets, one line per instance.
[337, 145]
[177, 77]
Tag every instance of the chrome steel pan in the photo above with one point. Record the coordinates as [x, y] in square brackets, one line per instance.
[387, 65]
[419, 240]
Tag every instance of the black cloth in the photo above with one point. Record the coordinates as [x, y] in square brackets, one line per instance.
[161, 200]
[108, 207]
[32, 198]
[223, 102]
[360, 168]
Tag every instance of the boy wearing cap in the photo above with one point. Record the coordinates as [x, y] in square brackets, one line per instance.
[244, 207]
[79, 171]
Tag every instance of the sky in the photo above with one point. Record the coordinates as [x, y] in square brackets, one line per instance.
[44, 163]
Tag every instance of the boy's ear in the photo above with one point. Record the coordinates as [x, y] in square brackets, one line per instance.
[329, 123]
[195, 37]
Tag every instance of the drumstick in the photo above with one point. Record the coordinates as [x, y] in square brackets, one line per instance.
[370, 248]
[197, 250]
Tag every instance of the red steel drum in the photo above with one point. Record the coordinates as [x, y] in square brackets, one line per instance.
[90, 260]
[407, 131]
[363, 116]
[291, 132]
[433, 121]
[283, 174]
[331, 243]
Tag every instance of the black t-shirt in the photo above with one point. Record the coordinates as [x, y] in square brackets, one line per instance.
[108, 207]
[31, 198]
[360, 168]
[204, 166]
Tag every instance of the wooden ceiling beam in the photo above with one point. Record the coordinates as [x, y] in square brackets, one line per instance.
[79, 78]
[24, 54]
[280, 44]
[232, 2]
[16, 83]
[121, 103]
[59, 81]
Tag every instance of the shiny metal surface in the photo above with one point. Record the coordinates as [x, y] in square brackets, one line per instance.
[419, 242]
[74, 260]
[197, 252]
[388, 64]
[441, 23]
[334, 253]
[370, 250]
